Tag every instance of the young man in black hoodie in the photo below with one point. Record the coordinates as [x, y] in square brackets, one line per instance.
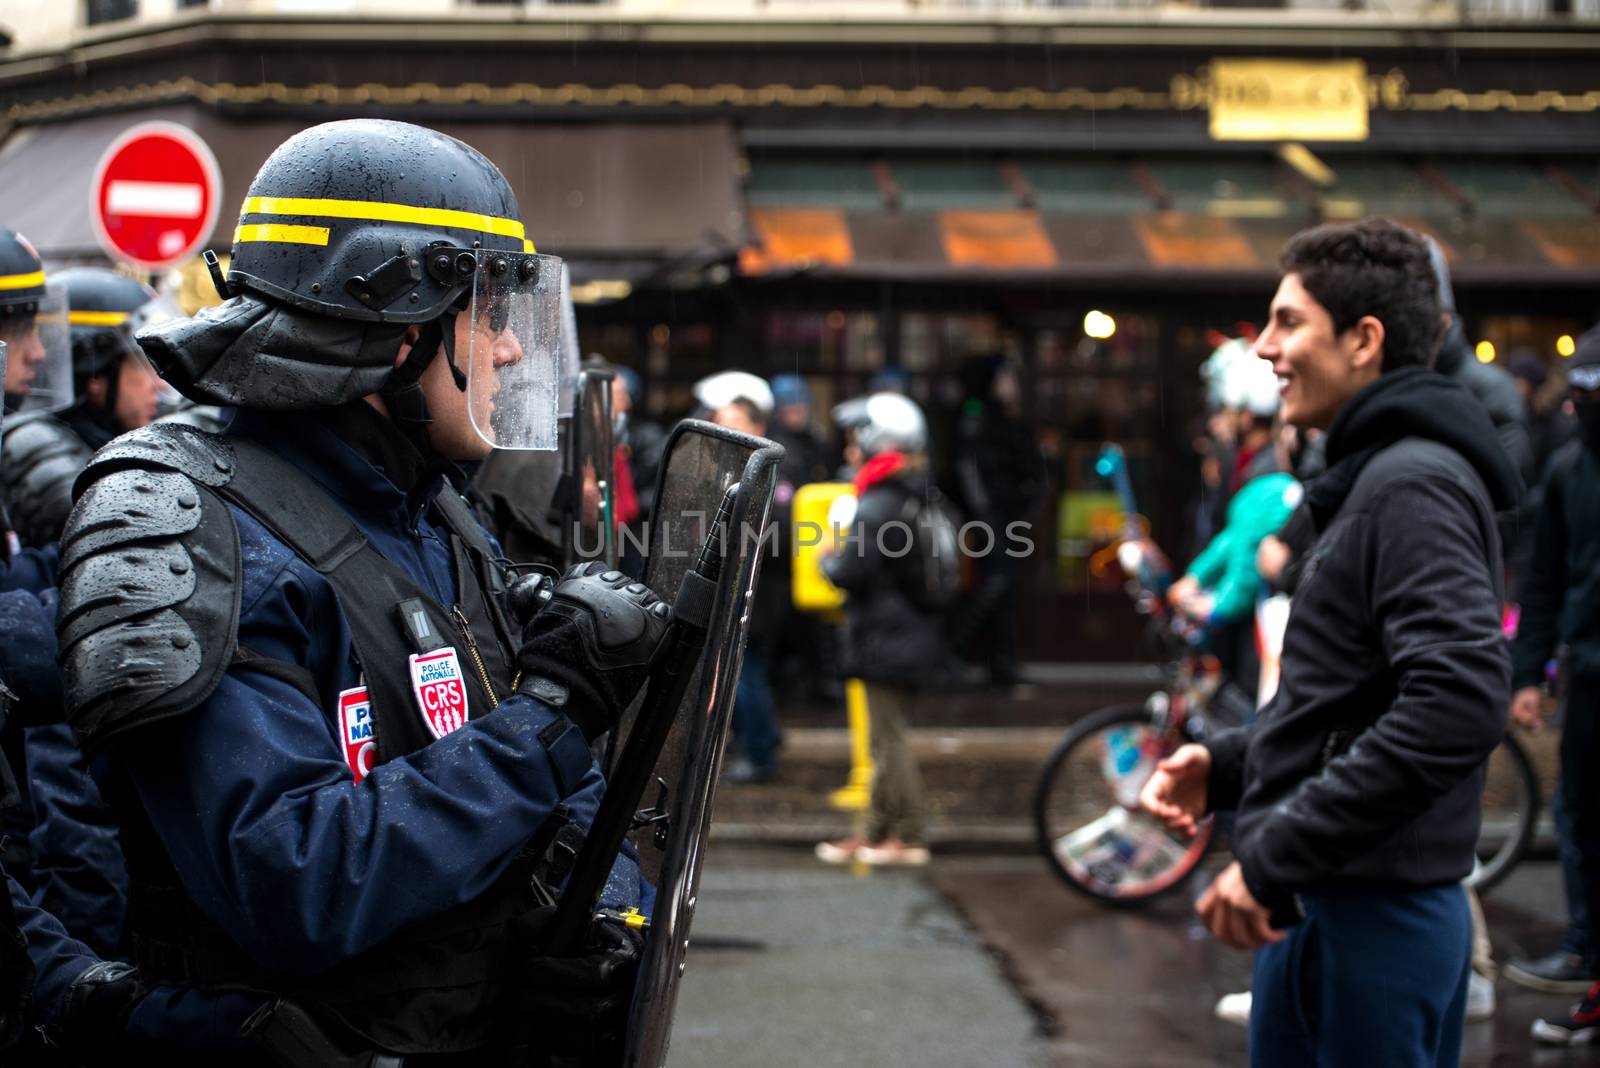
[1357, 794]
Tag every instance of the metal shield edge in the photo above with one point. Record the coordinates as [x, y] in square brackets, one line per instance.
[650, 1025]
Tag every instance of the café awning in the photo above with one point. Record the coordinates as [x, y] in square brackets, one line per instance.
[1139, 219]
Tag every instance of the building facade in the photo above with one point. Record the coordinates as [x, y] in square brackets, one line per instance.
[843, 187]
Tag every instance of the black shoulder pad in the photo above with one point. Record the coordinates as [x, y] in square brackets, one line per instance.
[149, 613]
[42, 457]
[205, 458]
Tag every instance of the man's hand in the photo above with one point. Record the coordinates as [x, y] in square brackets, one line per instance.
[1233, 915]
[1272, 556]
[1198, 606]
[1176, 792]
[1182, 590]
[1527, 708]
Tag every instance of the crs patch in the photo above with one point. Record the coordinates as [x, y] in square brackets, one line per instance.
[355, 723]
[441, 690]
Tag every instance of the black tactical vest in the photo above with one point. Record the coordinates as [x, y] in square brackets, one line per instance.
[436, 987]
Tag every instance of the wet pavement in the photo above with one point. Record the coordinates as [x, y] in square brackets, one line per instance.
[793, 963]
[1114, 987]
[989, 960]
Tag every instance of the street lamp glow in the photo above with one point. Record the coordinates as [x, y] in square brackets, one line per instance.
[1099, 325]
[1565, 346]
[1485, 352]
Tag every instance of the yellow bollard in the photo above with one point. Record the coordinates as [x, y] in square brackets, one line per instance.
[855, 794]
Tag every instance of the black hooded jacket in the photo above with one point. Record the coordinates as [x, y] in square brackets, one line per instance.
[888, 637]
[1365, 770]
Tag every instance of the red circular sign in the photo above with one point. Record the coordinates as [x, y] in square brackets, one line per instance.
[155, 195]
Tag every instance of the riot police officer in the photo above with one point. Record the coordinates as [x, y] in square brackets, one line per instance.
[347, 779]
[115, 390]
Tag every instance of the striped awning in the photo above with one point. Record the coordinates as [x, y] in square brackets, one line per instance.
[1098, 218]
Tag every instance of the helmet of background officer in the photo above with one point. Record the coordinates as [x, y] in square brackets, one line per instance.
[883, 422]
[792, 397]
[32, 345]
[715, 392]
[382, 260]
[109, 372]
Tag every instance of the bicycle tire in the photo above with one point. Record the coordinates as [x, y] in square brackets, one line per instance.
[1501, 845]
[1100, 880]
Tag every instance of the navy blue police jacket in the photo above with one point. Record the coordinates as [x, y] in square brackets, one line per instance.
[250, 792]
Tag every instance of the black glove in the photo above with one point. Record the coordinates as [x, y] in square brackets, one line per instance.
[588, 651]
[576, 1008]
[98, 1004]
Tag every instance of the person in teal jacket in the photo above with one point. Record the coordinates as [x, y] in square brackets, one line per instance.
[1224, 574]
[1219, 591]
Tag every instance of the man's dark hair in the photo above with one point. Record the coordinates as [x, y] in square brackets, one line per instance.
[1372, 267]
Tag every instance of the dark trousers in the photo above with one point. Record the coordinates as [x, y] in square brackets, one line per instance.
[1580, 802]
[755, 715]
[988, 623]
[1576, 939]
[1365, 980]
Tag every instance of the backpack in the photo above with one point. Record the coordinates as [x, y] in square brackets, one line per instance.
[932, 575]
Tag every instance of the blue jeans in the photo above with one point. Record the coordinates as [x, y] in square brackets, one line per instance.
[755, 715]
[1365, 980]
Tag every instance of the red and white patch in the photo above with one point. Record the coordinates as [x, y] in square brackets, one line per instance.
[441, 690]
[355, 722]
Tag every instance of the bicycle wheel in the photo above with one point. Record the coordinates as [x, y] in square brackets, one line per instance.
[1085, 810]
[1510, 814]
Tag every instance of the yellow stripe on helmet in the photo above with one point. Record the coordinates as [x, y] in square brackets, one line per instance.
[97, 318]
[21, 281]
[378, 211]
[280, 232]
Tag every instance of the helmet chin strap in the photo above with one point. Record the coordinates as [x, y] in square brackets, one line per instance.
[402, 394]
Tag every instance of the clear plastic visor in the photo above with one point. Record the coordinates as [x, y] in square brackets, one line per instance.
[514, 350]
[39, 365]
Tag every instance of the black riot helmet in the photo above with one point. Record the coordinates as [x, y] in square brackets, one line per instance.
[101, 306]
[21, 275]
[352, 232]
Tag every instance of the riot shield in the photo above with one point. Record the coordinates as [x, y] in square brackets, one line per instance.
[703, 463]
[592, 533]
[713, 505]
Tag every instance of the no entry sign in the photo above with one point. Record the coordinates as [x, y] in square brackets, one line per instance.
[155, 195]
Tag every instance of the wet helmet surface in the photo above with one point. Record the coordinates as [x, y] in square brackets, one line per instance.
[21, 275]
[341, 218]
[100, 306]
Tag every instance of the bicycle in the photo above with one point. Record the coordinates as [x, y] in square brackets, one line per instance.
[1086, 815]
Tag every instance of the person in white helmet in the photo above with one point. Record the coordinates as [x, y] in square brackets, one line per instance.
[895, 567]
[742, 401]
[1219, 589]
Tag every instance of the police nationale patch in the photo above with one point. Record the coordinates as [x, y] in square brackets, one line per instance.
[355, 722]
[441, 690]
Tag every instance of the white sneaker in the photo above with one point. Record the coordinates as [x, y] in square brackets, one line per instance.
[841, 852]
[1480, 998]
[894, 853]
[1234, 1009]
